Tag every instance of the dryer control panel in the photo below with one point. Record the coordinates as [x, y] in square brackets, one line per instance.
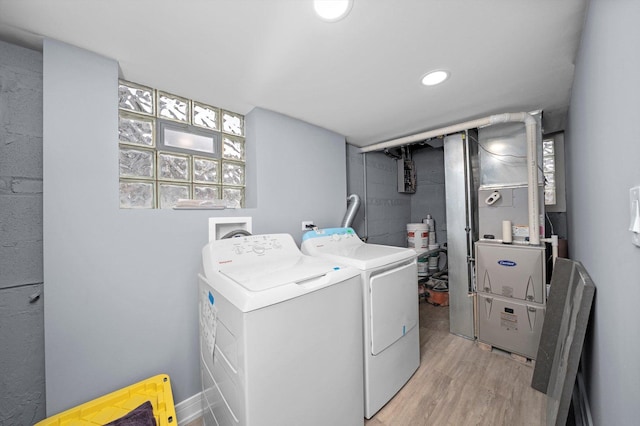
[334, 234]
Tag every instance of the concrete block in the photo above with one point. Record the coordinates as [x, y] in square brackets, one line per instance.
[5, 185]
[26, 186]
[429, 199]
[26, 59]
[22, 377]
[20, 155]
[21, 263]
[21, 90]
[20, 218]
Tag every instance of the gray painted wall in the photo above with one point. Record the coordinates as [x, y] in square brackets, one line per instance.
[300, 173]
[355, 185]
[387, 210]
[121, 284]
[22, 396]
[603, 156]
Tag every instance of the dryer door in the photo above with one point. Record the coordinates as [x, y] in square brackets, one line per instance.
[394, 305]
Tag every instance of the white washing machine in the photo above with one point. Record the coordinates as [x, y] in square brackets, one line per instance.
[389, 280]
[280, 334]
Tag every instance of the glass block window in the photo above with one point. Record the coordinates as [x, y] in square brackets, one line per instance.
[206, 116]
[137, 195]
[206, 170]
[173, 107]
[232, 173]
[232, 123]
[232, 148]
[136, 130]
[206, 192]
[136, 98]
[233, 196]
[549, 170]
[137, 163]
[170, 193]
[184, 139]
[173, 148]
[173, 167]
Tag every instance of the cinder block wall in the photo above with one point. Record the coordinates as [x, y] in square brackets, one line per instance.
[389, 211]
[430, 196]
[22, 387]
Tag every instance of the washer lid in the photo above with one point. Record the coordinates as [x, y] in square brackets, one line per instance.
[342, 245]
[256, 271]
[262, 276]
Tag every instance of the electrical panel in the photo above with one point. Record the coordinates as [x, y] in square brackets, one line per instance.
[406, 176]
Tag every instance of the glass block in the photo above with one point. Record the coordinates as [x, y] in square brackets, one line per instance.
[548, 164]
[138, 163]
[174, 167]
[173, 107]
[233, 196]
[232, 174]
[547, 148]
[232, 123]
[233, 148]
[136, 130]
[137, 195]
[550, 179]
[206, 116]
[206, 192]
[170, 193]
[205, 170]
[135, 98]
[550, 196]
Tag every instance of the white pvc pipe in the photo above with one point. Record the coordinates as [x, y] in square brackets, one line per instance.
[532, 157]
[554, 246]
[532, 175]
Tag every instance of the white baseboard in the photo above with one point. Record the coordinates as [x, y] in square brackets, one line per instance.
[189, 409]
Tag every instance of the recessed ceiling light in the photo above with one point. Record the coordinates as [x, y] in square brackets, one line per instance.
[435, 77]
[332, 10]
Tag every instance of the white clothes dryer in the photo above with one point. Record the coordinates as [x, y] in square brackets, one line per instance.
[389, 279]
[280, 337]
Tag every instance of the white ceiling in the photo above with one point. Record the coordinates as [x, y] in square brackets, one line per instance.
[359, 77]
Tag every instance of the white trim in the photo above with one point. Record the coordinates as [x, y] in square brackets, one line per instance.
[189, 409]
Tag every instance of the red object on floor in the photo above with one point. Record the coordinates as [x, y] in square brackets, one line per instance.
[438, 298]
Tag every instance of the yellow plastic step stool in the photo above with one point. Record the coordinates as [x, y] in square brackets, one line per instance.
[110, 407]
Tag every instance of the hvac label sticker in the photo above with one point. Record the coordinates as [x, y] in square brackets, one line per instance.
[509, 321]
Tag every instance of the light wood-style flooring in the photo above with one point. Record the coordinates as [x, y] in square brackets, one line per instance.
[460, 384]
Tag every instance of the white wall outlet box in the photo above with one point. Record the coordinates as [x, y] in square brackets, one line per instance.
[305, 224]
[634, 204]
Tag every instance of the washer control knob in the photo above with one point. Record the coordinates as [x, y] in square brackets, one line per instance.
[335, 237]
[257, 249]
